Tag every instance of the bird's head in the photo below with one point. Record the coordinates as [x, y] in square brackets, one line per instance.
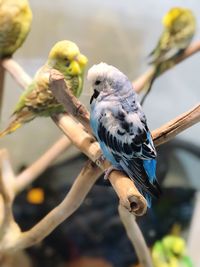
[173, 15]
[106, 79]
[175, 244]
[66, 57]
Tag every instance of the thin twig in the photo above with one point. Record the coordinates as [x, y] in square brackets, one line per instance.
[65, 96]
[136, 237]
[169, 130]
[144, 79]
[6, 185]
[17, 72]
[27, 176]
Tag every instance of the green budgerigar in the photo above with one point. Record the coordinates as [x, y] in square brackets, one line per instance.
[179, 29]
[37, 99]
[170, 252]
[15, 22]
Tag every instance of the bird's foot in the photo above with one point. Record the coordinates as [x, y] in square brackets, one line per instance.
[100, 160]
[108, 172]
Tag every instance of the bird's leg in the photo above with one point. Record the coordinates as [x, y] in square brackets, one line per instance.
[108, 172]
[100, 160]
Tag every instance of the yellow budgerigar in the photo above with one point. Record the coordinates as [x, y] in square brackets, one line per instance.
[170, 252]
[179, 28]
[15, 22]
[37, 99]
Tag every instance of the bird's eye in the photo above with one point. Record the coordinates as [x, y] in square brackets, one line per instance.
[97, 82]
[67, 62]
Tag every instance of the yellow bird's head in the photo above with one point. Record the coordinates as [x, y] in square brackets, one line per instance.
[174, 15]
[174, 244]
[66, 58]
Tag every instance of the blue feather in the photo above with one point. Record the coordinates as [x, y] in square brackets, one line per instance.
[150, 168]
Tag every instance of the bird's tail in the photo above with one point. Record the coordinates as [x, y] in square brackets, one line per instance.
[17, 122]
[13, 126]
[151, 82]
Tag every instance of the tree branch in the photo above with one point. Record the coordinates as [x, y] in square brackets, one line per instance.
[8, 227]
[65, 97]
[169, 130]
[135, 236]
[17, 72]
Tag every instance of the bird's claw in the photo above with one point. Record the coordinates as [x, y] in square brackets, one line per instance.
[108, 172]
[100, 160]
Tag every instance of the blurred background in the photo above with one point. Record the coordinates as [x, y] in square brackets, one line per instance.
[121, 33]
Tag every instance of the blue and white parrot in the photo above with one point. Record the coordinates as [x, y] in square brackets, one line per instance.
[120, 126]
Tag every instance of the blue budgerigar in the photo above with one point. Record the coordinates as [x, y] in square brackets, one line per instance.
[120, 126]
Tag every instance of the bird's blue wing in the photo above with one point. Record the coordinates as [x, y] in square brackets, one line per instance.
[127, 138]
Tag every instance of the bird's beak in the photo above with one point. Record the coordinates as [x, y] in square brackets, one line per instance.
[81, 59]
[75, 68]
[94, 96]
[78, 64]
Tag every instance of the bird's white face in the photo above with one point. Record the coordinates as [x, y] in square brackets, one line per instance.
[97, 79]
[103, 78]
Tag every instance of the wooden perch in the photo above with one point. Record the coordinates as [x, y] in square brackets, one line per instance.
[140, 82]
[65, 97]
[16, 71]
[135, 236]
[169, 130]
[8, 228]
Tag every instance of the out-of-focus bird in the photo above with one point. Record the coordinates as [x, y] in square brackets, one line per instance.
[15, 22]
[38, 100]
[120, 127]
[179, 28]
[170, 252]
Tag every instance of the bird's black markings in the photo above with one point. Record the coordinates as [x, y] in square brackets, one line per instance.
[137, 139]
[102, 132]
[114, 143]
[120, 116]
[125, 125]
[120, 133]
[135, 148]
[127, 149]
[111, 142]
[117, 157]
[136, 171]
